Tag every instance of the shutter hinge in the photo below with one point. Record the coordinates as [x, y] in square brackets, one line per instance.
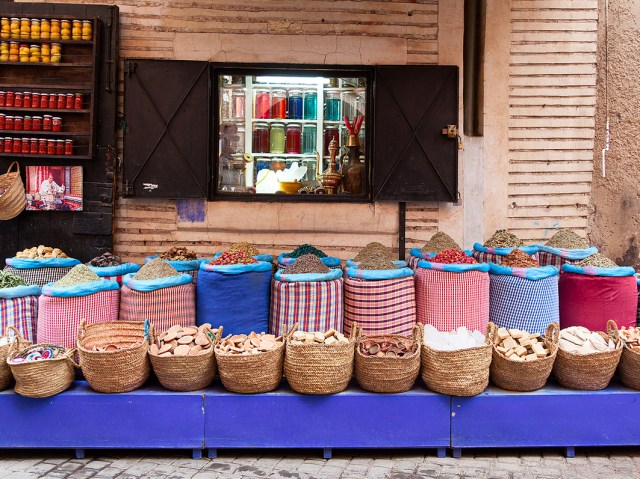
[130, 68]
[128, 188]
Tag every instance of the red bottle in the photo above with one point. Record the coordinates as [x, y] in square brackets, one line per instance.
[19, 100]
[68, 147]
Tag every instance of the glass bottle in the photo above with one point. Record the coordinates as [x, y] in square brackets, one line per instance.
[276, 138]
[332, 106]
[262, 105]
[294, 138]
[310, 105]
[331, 133]
[309, 133]
[260, 143]
[348, 100]
[237, 104]
[295, 104]
[279, 104]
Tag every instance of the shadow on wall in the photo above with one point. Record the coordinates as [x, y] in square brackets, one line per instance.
[631, 256]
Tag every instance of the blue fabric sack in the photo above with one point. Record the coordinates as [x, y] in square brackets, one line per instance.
[308, 277]
[620, 271]
[259, 257]
[454, 268]
[370, 274]
[146, 285]
[110, 271]
[533, 274]
[530, 250]
[569, 254]
[398, 262]
[240, 302]
[180, 266]
[258, 267]
[329, 261]
[26, 263]
[84, 289]
[19, 292]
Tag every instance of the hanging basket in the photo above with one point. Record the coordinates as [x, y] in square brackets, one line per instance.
[13, 201]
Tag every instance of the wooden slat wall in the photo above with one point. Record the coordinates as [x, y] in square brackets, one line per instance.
[552, 76]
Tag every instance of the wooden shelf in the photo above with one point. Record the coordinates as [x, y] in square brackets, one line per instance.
[45, 157]
[45, 110]
[61, 42]
[49, 65]
[44, 133]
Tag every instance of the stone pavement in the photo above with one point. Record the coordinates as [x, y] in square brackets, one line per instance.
[615, 463]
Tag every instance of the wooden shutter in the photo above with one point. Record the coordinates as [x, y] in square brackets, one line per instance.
[166, 152]
[413, 160]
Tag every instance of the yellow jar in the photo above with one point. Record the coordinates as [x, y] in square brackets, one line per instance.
[45, 59]
[87, 30]
[35, 29]
[5, 22]
[34, 58]
[4, 57]
[24, 49]
[65, 29]
[5, 28]
[76, 30]
[25, 28]
[45, 29]
[15, 28]
[4, 47]
[45, 49]
[56, 58]
[56, 49]
[55, 29]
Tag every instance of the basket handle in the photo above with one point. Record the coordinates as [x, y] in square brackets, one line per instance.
[355, 332]
[17, 165]
[218, 336]
[418, 333]
[16, 343]
[490, 333]
[553, 333]
[612, 330]
[291, 331]
[82, 329]
[71, 354]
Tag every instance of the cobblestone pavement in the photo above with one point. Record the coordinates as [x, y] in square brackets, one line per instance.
[503, 464]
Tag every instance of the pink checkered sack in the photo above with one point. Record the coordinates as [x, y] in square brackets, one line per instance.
[380, 307]
[448, 300]
[314, 305]
[59, 317]
[163, 307]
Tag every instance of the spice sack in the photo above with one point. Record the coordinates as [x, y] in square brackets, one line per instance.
[40, 271]
[19, 308]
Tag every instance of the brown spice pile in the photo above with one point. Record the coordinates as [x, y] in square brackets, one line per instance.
[567, 239]
[503, 239]
[154, 269]
[519, 259]
[440, 241]
[374, 249]
[307, 263]
[248, 248]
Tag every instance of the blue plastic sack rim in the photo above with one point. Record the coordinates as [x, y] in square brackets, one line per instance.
[260, 266]
[308, 277]
[147, 285]
[84, 289]
[369, 274]
[533, 274]
[26, 263]
[20, 291]
[533, 249]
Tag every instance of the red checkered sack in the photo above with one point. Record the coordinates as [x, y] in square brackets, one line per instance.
[380, 307]
[314, 305]
[59, 317]
[448, 300]
[22, 314]
[164, 307]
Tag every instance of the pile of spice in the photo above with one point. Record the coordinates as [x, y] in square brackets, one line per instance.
[79, 274]
[517, 345]
[105, 259]
[155, 269]
[181, 341]
[453, 256]
[389, 347]
[503, 239]
[374, 249]
[519, 259]
[233, 257]
[461, 338]
[579, 340]
[37, 353]
[40, 252]
[246, 345]
[329, 337]
[179, 254]
[248, 248]
[440, 241]
[8, 280]
[305, 249]
[566, 239]
[307, 263]
[598, 260]
[377, 263]
[631, 337]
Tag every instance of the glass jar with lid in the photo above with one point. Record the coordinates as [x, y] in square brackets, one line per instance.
[294, 111]
[332, 106]
[309, 138]
[279, 104]
[277, 138]
[294, 138]
[262, 104]
[310, 105]
[260, 140]
[237, 104]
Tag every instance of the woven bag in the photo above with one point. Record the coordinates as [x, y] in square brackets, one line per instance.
[164, 307]
[629, 367]
[187, 373]
[320, 368]
[13, 201]
[388, 374]
[252, 374]
[463, 372]
[39, 276]
[115, 371]
[589, 372]
[5, 371]
[41, 379]
[527, 375]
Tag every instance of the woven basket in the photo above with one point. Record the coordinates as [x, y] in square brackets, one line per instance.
[187, 373]
[464, 372]
[5, 371]
[388, 375]
[629, 368]
[526, 375]
[115, 371]
[318, 368]
[257, 373]
[41, 379]
[589, 372]
[13, 201]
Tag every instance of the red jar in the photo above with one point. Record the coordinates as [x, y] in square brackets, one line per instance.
[47, 123]
[78, 101]
[60, 147]
[8, 122]
[294, 138]
[33, 146]
[3, 121]
[42, 146]
[56, 124]
[1, 144]
[37, 123]
[62, 101]
[68, 147]
[17, 145]
[53, 101]
[26, 99]
[18, 123]
[27, 124]
[8, 145]
[3, 98]
[44, 100]
[70, 101]
[51, 147]
[35, 100]
[18, 101]
[10, 98]
[25, 145]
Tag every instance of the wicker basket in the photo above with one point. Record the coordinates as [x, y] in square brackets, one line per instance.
[318, 368]
[5, 371]
[257, 373]
[589, 372]
[187, 373]
[629, 368]
[527, 375]
[388, 375]
[115, 371]
[41, 379]
[13, 201]
[464, 372]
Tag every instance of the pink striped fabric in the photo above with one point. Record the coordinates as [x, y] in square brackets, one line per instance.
[449, 300]
[315, 306]
[412, 261]
[22, 314]
[380, 307]
[59, 318]
[163, 307]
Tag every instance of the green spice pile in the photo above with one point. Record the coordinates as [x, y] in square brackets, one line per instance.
[79, 274]
[155, 269]
[8, 280]
[305, 249]
[453, 256]
[105, 259]
[567, 239]
[598, 260]
[245, 247]
[503, 239]
[307, 263]
[372, 250]
[519, 259]
[440, 241]
[233, 257]
[377, 263]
